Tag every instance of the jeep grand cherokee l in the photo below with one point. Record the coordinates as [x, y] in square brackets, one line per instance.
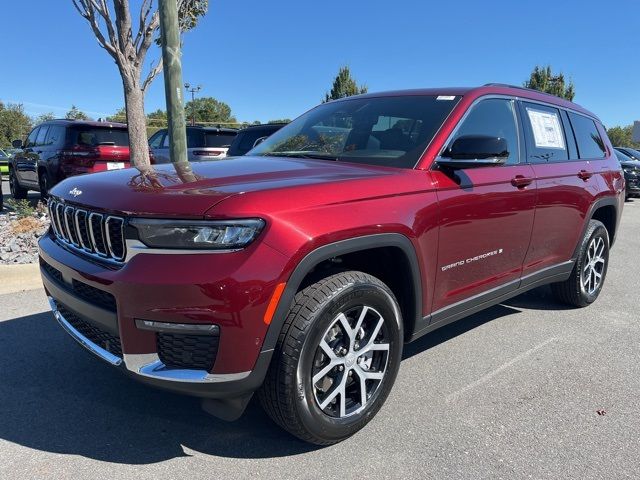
[58, 149]
[299, 270]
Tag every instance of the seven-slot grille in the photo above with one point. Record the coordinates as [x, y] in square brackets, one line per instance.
[92, 232]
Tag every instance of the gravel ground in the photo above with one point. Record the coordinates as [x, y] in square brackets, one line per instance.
[20, 248]
[526, 389]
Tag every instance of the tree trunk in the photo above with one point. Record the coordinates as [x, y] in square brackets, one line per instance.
[136, 120]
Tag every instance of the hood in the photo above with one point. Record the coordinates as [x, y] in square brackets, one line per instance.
[168, 190]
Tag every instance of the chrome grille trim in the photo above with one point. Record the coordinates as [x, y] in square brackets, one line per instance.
[71, 229]
[93, 233]
[98, 240]
[119, 238]
[79, 211]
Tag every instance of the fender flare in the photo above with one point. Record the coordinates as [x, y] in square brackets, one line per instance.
[602, 202]
[343, 247]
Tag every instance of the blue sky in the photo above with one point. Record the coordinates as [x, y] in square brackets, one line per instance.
[275, 59]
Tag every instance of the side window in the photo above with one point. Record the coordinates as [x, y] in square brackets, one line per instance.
[195, 138]
[31, 139]
[546, 141]
[42, 134]
[590, 144]
[55, 135]
[165, 141]
[495, 117]
[156, 140]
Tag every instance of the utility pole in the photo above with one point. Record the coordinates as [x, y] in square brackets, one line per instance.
[170, 38]
[193, 91]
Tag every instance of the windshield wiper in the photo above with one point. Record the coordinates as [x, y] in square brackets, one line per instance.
[302, 154]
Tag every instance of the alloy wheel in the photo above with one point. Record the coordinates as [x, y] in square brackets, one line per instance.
[593, 269]
[350, 362]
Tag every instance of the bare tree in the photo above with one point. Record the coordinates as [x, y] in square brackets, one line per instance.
[111, 23]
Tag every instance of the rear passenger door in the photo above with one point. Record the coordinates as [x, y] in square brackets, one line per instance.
[565, 179]
[486, 215]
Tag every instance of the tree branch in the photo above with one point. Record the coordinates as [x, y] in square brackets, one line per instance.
[153, 73]
[87, 10]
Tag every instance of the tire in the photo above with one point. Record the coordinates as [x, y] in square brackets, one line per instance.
[588, 275]
[17, 191]
[333, 408]
[45, 184]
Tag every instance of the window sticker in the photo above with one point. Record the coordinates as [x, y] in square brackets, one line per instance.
[547, 131]
[446, 97]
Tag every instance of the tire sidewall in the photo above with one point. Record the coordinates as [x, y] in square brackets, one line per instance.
[597, 230]
[316, 421]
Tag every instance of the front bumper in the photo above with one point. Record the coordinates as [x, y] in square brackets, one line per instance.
[139, 292]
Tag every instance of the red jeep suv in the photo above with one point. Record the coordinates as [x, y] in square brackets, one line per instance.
[299, 270]
[57, 149]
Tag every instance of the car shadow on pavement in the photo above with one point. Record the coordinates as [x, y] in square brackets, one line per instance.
[56, 397]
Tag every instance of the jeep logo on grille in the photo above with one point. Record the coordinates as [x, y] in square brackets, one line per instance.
[75, 192]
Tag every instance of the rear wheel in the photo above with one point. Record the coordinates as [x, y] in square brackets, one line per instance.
[336, 359]
[586, 281]
[17, 191]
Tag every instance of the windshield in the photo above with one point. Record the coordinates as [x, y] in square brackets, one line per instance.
[388, 131]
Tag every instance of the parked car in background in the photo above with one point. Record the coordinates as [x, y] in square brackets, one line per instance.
[203, 143]
[631, 169]
[629, 152]
[249, 137]
[58, 149]
[4, 161]
[301, 270]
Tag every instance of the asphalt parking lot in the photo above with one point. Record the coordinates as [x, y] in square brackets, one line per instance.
[528, 389]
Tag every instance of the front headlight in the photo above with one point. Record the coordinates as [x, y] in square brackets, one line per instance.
[197, 234]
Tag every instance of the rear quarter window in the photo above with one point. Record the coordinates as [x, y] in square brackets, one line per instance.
[590, 143]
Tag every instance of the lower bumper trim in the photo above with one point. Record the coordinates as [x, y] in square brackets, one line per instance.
[147, 364]
[81, 339]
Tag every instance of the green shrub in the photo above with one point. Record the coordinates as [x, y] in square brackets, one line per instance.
[22, 207]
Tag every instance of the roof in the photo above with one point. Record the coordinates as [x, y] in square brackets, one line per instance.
[68, 121]
[488, 89]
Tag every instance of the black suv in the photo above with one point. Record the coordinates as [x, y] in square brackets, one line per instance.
[631, 168]
[58, 149]
[249, 137]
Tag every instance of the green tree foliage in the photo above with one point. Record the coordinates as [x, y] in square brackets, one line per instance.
[282, 120]
[158, 115]
[43, 117]
[543, 80]
[621, 136]
[119, 116]
[14, 123]
[344, 86]
[208, 109]
[76, 114]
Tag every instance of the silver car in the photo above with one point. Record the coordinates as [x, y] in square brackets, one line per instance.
[203, 143]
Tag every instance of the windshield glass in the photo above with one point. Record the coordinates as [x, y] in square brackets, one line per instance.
[388, 131]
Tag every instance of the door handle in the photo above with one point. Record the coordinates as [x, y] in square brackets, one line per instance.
[520, 181]
[585, 175]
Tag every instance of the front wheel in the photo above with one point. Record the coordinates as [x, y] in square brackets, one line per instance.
[17, 191]
[587, 278]
[336, 359]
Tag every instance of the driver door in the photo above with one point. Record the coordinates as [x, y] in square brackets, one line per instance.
[486, 215]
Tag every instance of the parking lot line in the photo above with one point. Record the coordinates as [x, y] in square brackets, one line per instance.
[485, 378]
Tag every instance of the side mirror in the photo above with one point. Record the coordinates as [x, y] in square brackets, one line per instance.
[16, 144]
[475, 151]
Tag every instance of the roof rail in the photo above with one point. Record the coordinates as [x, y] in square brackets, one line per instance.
[518, 87]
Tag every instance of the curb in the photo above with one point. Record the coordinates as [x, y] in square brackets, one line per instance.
[18, 278]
